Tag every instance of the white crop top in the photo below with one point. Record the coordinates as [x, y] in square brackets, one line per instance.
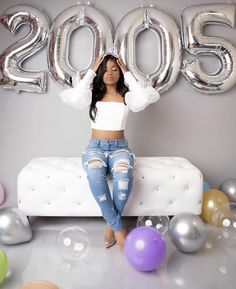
[110, 116]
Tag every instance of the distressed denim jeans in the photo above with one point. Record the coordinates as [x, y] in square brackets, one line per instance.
[109, 157]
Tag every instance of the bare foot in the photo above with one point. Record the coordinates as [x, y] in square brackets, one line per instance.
[120, 238]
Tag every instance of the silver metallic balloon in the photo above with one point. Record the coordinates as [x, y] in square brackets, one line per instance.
[14, 227]
[229, 188]
[13, 75]
[187, 232]
[62, 27]
[151, 18]
[194, 18]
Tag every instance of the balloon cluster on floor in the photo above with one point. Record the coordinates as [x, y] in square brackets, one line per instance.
[219, 209]
[145, 246]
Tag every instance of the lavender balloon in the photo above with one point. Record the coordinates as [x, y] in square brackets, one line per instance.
[145, 248]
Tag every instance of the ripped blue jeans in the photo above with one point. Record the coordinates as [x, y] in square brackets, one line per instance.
[109, 157]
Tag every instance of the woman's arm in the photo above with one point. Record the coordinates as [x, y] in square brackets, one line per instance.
[138, 97]
[80, 95]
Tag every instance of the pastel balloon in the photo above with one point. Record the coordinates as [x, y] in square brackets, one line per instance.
[229, 188]
[212, 200]
[14, 227]
[2, 194]
[39, 284]
[3, 265]
[145, 248]
[187, 232]
[206, 186]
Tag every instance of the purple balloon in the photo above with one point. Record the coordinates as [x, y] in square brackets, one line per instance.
[145, 248]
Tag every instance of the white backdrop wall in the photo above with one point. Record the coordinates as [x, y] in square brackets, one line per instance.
[183, 123]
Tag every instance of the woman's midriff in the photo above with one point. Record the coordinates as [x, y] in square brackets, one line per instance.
[108, 134]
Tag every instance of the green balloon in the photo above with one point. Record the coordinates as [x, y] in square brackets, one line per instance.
[3, 265]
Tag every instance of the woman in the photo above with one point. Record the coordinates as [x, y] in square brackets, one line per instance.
[110, 100]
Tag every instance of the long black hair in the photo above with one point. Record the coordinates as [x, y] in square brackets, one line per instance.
[99, 88]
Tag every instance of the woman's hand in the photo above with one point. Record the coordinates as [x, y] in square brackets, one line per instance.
[97, 62]
[122, 65]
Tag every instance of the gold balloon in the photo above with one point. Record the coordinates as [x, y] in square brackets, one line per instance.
[213, 199]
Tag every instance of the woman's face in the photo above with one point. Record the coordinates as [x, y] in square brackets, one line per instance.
[112, 73]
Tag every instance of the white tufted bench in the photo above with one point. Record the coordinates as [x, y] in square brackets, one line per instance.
[59, 187]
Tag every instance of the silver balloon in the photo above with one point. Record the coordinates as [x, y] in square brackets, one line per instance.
[187, 232]
[229, 188]
[14, 227]
[194, 18]
[151, 18]
[62, 27]
[13, 75]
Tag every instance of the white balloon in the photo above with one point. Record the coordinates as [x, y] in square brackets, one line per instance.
[62, 27]
[194, 18]
[135, 22]
[13, 75]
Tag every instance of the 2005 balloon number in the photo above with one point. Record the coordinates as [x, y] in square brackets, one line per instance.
[57, 35]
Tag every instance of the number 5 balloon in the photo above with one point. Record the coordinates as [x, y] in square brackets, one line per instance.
[194, 18]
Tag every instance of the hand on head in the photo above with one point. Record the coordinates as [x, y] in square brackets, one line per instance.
[122, 65]
[97, 62]
[100, 58]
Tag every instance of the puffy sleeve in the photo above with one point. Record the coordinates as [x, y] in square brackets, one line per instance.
[138, 97]
[80, 96]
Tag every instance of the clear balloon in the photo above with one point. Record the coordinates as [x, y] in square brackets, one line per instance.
[194, 18]
[13, 75]
[228, 187]
[135, 22]
[73, 243]
[212, 200]
[3, 265]
[187, 232]
[14, 227]
[225, 218]
[145, 248]
[160, 223]
[64, 24]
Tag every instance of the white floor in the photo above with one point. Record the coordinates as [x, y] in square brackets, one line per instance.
[213, 267]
